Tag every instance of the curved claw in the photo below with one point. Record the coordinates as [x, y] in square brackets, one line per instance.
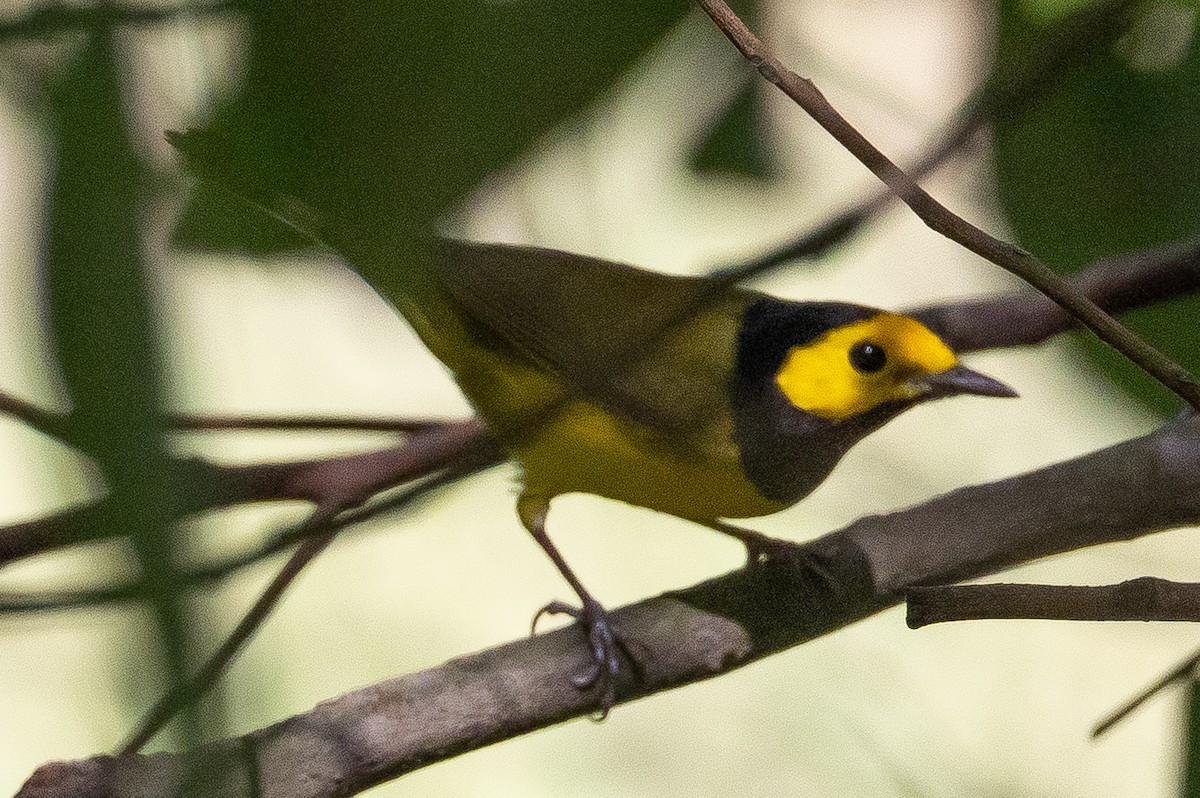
[607, 645]
[553, 608]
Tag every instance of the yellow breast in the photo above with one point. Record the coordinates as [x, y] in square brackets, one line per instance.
[583, 448]
[586, 449]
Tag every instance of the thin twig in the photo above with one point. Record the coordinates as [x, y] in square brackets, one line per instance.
[1179, 672]
[1118, 284]
[942, 220]
[47, 422]
[185, 694]
[1006, 94]
[300, 423]
[426, 450]
[1146, 598]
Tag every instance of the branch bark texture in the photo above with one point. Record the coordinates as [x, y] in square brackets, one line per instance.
[1146, 598]
[802, 591]
[346, 745]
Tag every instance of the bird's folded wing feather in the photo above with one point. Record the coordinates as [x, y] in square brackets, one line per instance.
[652, 348]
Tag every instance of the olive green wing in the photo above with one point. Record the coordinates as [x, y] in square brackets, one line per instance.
[653, 348]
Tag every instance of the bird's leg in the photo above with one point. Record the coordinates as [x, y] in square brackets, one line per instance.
[604, 640]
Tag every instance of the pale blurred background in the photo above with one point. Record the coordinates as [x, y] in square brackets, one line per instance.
[988, 709]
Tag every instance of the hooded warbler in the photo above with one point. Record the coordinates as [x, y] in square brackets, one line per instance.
[677, 394]
[680, 394]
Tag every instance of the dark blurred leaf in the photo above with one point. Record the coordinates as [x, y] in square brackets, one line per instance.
[1109, 163]
[736, 145]
[382, 114]
[1042, 12]
[102, 324]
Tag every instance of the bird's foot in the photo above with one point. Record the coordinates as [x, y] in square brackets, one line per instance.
[607, 645]
[762, 550]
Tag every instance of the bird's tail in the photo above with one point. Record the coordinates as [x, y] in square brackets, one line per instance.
[399, 268]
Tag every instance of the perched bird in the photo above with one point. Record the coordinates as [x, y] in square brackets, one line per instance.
[672, 393]
[679, 394]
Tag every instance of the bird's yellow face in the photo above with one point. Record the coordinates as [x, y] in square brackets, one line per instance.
[856, 367]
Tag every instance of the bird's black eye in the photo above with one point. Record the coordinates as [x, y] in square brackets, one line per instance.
[867, 357]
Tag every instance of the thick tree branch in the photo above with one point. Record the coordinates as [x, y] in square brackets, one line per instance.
[942, 220]
[344, 746]
[1146, 598]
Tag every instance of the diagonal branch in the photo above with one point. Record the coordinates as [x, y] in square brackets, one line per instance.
[1118, 284]
[184, 694]
[798, 593]
[1012, 90]
[942, 220]
[47, 422]
[1181, 671]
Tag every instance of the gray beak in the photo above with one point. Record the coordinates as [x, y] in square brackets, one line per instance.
[959, 380]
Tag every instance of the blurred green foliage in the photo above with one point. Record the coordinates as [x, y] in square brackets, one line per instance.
[382, 115]
[736, 144]
[386, 113]
[1109, 162]
[103, 326]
